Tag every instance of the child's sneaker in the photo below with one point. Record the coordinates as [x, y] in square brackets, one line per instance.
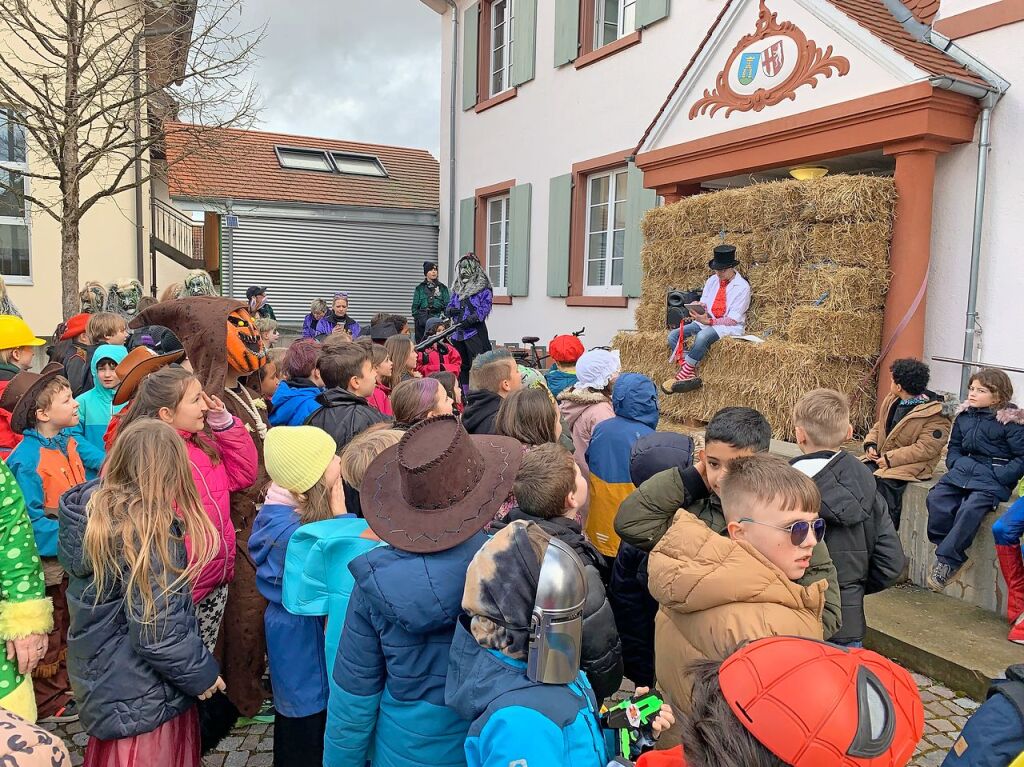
[64, 715]
[941, 575]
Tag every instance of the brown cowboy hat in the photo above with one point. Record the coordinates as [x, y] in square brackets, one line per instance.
[140, 362]
[439, 486]
[20, 395]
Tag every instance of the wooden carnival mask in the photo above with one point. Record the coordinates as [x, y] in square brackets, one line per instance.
[245, 350]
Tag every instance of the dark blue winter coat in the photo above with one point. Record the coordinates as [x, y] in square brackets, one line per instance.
[986, 450]
[128, 678]
[515, 721]
[295, 643]
[393, 660]
[294, 402]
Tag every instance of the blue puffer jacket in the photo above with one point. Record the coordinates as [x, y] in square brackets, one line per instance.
[393, 660]
[986, 450]
[295, 643]
[518, 722]
[294, 402]
[128, 678]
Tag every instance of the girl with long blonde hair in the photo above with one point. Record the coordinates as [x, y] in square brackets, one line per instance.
[135, 657]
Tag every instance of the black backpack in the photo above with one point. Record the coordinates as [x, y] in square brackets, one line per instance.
[994, 735]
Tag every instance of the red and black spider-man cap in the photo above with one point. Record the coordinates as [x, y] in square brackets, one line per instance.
[814, 704]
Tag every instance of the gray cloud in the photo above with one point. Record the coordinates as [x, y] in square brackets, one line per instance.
[363, 70]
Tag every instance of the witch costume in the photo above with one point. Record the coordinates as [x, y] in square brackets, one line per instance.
[469, 307]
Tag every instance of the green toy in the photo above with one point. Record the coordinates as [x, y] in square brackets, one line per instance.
[632, 720]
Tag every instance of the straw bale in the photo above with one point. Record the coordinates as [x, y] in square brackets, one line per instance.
[758, 206]
[772, 283]
[649, 316]
[783, 243]
[837, 334]
[849, 198]
[768, 320]
[645, 352]
[849, 288]
[864, 244]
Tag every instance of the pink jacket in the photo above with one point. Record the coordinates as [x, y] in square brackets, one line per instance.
[583, 411]
[237, 470]
[381, 400]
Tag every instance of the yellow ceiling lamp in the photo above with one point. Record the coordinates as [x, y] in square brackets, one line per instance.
[808, 173]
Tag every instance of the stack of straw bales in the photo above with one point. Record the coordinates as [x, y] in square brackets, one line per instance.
[816, 254]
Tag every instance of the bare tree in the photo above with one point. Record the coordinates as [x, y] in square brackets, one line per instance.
[97, 85]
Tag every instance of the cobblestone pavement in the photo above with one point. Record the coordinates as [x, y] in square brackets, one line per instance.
[945, 714]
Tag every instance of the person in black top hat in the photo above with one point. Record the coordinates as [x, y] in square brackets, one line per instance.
[722, 312]
[429, 300]
[258, 306]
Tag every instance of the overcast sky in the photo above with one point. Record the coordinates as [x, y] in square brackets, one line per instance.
[363, 70]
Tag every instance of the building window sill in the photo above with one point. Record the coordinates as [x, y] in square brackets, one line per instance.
[609, 302]
[611, 49]
[17, 280]
[501, 300]
[493, 101]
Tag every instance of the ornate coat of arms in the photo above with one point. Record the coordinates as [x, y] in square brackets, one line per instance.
[768, 67]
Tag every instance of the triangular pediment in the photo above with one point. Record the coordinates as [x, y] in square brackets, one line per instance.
[770, 59]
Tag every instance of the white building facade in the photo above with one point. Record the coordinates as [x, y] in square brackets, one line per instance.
[573, 117]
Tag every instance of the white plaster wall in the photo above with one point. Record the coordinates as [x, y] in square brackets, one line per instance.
[953, 7]
[1001, 285]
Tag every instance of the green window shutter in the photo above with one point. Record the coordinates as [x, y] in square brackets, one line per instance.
[650, 11]
[519, 239]
[467, 226]
[559, 225]
[525, 34]
[567, 31]
[638, 202]
[470, 55]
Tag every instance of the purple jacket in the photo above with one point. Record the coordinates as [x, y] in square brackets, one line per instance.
[327, 323]
[474, 312]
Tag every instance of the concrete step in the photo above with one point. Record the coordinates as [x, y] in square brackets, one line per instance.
[959, 644]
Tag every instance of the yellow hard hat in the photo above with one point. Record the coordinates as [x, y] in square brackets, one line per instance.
[15, 333]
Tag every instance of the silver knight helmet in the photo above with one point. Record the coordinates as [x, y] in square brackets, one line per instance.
[556, 627]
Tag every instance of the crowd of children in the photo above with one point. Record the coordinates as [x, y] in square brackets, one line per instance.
[411, 581]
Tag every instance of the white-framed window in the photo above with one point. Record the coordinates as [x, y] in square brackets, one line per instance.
[502, 45]
[606, 232]
[497, 243]
[15, 251]
[613, 19]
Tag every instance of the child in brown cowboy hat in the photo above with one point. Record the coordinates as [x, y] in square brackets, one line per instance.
[429, 498]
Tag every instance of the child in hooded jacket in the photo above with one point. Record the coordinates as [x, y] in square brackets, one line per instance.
[306, 488]
[135, 656]
[380, 400]
[96, 407]
[223, 460]
[564, 351]
[984, 462]
[17, 352]
[294, 399]
[635, 401]
[439, 356]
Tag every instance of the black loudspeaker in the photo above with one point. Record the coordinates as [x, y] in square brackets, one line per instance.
[674, 311]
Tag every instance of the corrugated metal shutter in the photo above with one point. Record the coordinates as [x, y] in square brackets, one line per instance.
[300, 259]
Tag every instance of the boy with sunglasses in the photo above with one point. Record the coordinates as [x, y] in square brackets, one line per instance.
[718, 591]
[734, 432]
[862, 539]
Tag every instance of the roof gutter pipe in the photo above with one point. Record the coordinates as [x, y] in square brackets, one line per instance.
[452, 114]
[988, 97]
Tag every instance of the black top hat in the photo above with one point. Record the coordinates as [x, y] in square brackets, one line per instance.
[725, 258]
[255, 290]
[382, 331]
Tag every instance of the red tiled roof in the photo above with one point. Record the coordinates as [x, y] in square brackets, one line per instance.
[876, 18]
[923, 10]
[242, 165]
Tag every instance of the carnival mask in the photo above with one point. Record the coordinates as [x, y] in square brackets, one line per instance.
[245, 350]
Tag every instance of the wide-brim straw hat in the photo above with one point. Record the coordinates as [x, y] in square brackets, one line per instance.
[140, 362]
[20, 395]
[439, 486]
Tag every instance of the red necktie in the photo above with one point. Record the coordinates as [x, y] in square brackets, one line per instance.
[718, 307]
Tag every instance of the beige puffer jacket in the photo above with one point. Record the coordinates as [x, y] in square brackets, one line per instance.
[714, 594]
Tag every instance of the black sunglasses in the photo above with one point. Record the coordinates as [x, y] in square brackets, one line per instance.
[798, 530]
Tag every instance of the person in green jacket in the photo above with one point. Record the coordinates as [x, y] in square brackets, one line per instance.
[734, 432]
[429, 300]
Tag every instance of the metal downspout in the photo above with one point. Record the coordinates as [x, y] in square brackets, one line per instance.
[970, 330]
[453, 112]
[140, 248]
